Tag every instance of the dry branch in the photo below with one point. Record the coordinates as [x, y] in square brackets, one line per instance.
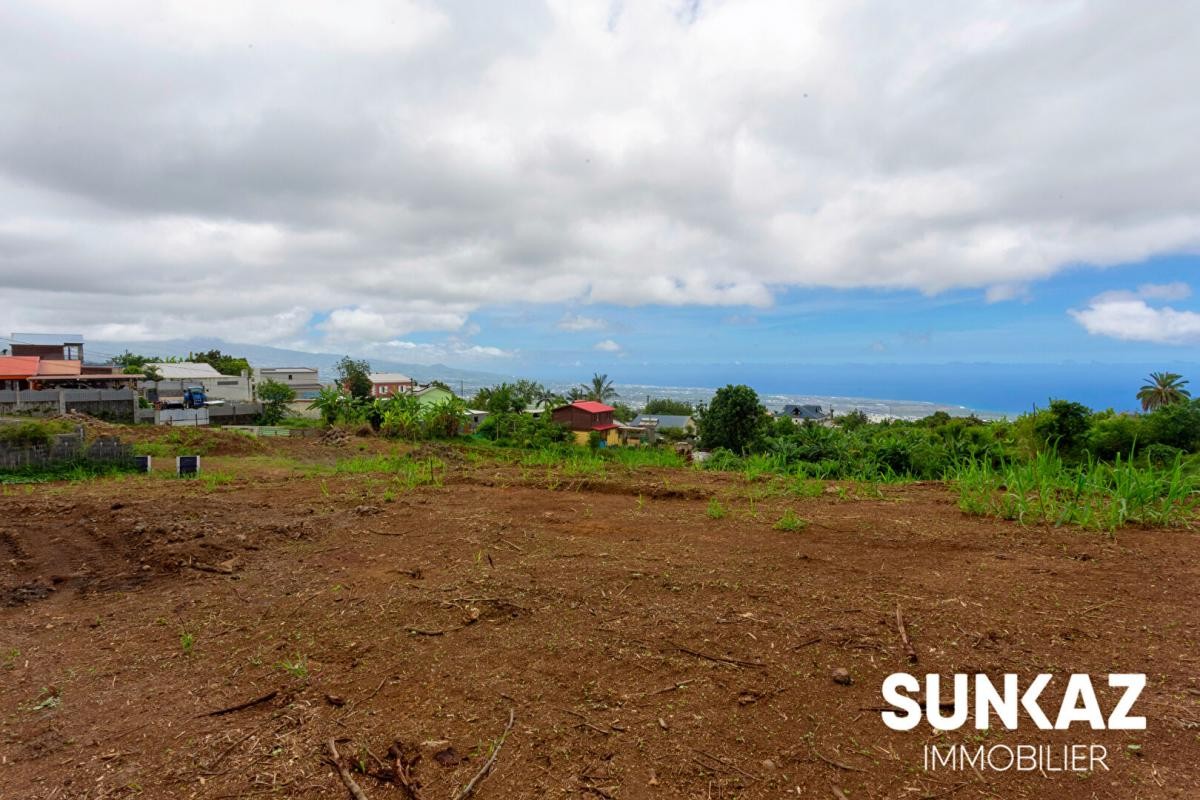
[473, 784]
[737, 662]
[344, 773]
[266, 698]
[908, 646]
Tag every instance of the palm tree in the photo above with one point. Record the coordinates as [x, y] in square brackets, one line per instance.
[601, 389]
[1163, 389]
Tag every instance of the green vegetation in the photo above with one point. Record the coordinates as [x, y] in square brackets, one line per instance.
[65, 471]
[354, 377]
[222, 363]
[715, 510]
[1163, 389]
[274, 397]
[662, 405]
[1093, 494]
[789, 522]
[33, 432]
[296, 666]
[187, 641]
[734, 420]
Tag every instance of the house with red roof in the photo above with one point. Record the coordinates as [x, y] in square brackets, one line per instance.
[584, 416]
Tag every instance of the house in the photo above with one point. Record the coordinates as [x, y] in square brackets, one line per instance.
[34, 373]
[385, 384]
[807, 413]
[178, 375]
[304, 381]
[432, 394]
[15, 371]
[584, 416]
[662, 422]
[653, 425]
[56, 346]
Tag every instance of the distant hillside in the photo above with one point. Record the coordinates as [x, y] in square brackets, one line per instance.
[262, 356]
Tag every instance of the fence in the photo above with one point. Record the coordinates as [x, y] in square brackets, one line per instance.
[227, 414]
[116, 405]
[65, 447]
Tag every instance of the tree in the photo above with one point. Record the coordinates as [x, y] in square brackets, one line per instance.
[224, 364]
[329, 401]
[854, 420]
[623, 412]
[444, 419]
[274, 397]
[135, 364]
[601, 389]
[499, 399]
[1163, 389]
[735, 419]
[664, 405]
[355, 377]
[1063, 426]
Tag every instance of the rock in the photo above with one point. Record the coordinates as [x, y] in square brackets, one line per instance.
[841, 676]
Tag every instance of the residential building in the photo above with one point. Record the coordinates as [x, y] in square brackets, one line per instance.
[584, 416]
[654, 424]
[57, 346]
[807, 413]
[34, 372]
[385, 384]
[304, 381]
[178, 375]
[432, 394]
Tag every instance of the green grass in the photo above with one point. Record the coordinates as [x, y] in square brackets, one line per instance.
[187, 641]
[212, 479]
[715, 510]
[790, 522]
[409, 473]
[33, 432]
[1093, 495]
[65, 471]
[296, 666]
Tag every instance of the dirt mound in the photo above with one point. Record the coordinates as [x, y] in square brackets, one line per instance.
[194, 441]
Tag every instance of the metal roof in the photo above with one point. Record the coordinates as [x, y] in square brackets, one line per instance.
[390, 377]
[590, 406]
[664, 420]
[179, 370]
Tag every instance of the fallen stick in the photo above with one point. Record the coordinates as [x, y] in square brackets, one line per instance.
[473, 784]
[720, 659]
[837, 764]
[344, 773]
[402, 767]
[908, 646]
[266, 698]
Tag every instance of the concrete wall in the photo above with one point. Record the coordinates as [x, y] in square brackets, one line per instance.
[116, 405]
[231, 388]
[228, 414]
[65, 447]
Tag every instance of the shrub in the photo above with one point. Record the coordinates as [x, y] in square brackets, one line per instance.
[734, 420]
[790, 522]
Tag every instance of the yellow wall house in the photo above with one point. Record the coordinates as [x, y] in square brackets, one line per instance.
[585, 416]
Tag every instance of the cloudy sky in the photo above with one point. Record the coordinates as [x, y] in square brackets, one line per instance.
[573, 185]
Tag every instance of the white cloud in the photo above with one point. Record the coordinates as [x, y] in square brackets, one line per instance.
[1127, 316]
[435, 352]
[608, 346]
[575, 323]
[390, 167]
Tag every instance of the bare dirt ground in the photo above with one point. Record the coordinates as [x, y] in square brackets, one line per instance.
[644, 649]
